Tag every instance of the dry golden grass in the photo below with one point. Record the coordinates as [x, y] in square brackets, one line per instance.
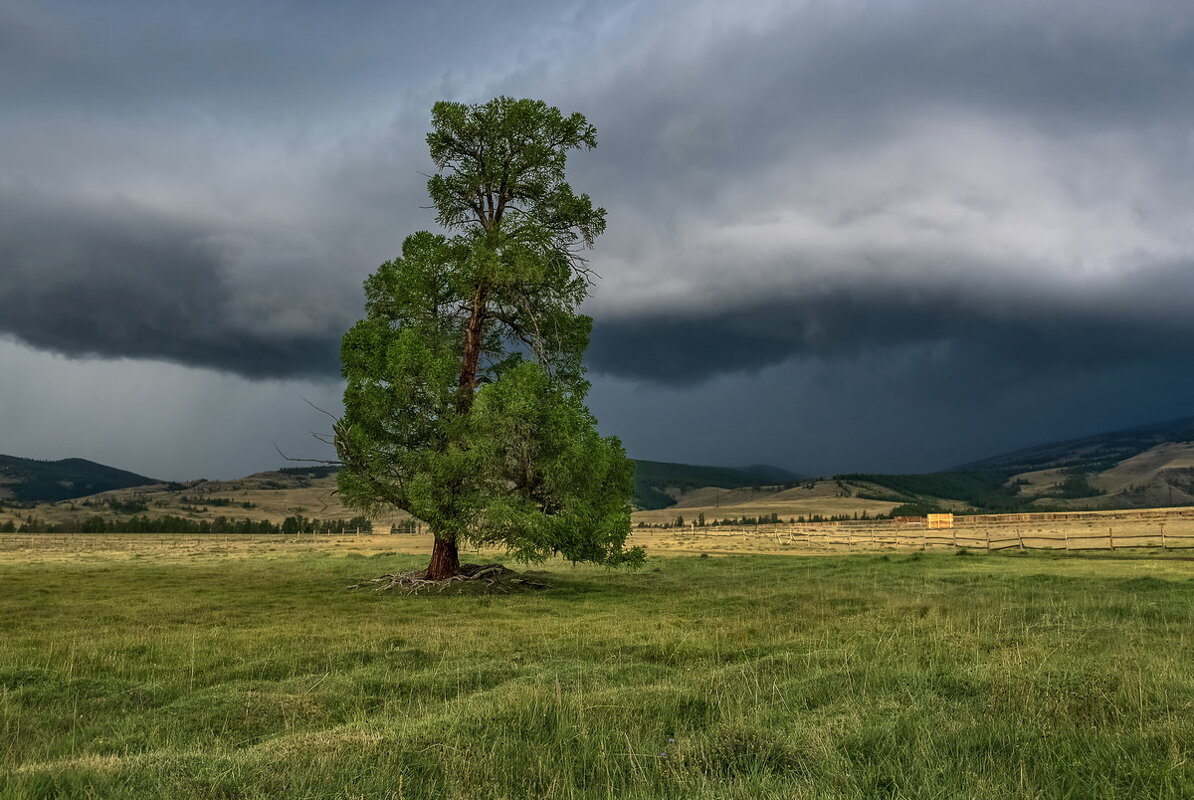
[1144, 467]
[1089, 531]
[1144, 478]
[58, 548]
[1096, 530]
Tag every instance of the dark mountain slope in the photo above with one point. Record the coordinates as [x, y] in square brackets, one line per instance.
[1090, 453]
[28, 481]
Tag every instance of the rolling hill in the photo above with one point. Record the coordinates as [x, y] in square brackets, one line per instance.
[310, 492]
[1140, 467]
[1090, 453]
[659, 484]
[25, 480]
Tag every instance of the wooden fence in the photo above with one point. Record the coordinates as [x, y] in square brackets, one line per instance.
[1168, 529]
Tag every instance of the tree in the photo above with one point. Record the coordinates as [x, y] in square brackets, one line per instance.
[464, 403]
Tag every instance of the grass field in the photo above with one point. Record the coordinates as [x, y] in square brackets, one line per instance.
[226, 673]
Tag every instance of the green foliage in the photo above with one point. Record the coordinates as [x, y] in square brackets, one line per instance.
[131, 506]
[919, 509]
[1075, 485]
[464, 403]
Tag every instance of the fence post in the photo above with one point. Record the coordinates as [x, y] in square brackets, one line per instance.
[1067, 539]
[987, 533]
[1020, 539]
[1163, 547]
[1110, 538]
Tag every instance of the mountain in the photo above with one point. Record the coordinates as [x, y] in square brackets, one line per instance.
[28, 481]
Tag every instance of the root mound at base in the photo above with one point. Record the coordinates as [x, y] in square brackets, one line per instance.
[488, 578]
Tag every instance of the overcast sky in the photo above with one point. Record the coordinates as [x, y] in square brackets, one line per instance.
[844, 235]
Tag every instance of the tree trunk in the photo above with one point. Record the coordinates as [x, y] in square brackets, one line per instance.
[473, 342]
[445, 560]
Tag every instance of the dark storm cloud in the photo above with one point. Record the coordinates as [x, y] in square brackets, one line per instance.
[784, 180]
[1144, 317]
[118, 281]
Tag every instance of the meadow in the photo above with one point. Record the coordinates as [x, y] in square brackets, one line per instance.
[208, 670]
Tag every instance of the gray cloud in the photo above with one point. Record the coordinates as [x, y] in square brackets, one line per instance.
[965, 190]
[1145, 314]
[119, 281]
[894, 169]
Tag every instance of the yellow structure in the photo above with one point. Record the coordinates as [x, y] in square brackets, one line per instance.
[941, 520]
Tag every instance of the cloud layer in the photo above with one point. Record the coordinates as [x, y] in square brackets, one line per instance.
[926, 183]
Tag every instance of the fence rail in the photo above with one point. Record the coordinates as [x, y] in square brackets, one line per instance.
[1165, 528]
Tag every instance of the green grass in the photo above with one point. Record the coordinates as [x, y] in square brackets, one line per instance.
[860, 676]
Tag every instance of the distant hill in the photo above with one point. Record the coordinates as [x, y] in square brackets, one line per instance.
[658, 484]
[1144, 466]
[1090, 453]
[28, 481]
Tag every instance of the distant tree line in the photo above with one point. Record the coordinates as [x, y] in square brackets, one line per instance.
[173, 524]
[766, 519]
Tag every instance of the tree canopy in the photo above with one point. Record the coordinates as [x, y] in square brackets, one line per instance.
[464, 403]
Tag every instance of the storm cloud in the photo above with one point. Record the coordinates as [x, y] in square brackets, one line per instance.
[960, 189]
[1144, 313]
[118, 281]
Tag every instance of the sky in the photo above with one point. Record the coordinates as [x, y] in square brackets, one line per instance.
[843, 235]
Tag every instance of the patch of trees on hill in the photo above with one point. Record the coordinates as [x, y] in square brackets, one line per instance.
[986, 489]
[310, 472]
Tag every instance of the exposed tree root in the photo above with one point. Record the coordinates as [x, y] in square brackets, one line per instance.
[495, 578]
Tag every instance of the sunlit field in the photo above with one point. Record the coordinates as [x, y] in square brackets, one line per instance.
[191, 667]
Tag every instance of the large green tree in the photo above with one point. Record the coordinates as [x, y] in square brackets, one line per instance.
[465, 396]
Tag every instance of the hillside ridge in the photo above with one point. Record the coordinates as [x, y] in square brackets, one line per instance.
[29, 480]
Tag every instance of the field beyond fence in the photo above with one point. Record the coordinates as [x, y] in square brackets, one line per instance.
[1162, 529]
[1167, 529]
